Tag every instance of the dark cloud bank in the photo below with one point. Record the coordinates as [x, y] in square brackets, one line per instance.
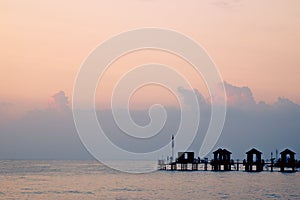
[51, 133]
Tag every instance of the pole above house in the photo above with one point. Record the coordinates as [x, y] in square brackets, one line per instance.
[172, 159]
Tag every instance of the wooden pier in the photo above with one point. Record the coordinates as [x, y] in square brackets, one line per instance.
[222, 161]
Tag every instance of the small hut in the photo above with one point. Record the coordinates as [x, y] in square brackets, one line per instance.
[286, 160]
[254, 159]
[185, 158]
[221, 158]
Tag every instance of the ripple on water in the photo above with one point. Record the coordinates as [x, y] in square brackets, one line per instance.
[59, 192]
[223, 195]
[272, 195]
[87, 180]
[26, 188]
[128, 189]
[296, 196]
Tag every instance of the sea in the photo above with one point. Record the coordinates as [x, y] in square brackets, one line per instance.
[53, 179]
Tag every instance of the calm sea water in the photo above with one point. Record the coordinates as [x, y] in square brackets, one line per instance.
[92, 180]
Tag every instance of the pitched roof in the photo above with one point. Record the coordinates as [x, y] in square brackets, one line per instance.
[287, 151]
[222, 151]
[253, 151]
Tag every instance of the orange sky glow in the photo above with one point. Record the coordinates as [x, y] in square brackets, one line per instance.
[43, 44]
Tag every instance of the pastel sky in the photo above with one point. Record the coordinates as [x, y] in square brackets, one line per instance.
[43, 43]
[254, 43]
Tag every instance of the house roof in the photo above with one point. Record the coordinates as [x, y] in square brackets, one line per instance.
[222, 151]
[287, 151]
[185, 152]
[253, 151]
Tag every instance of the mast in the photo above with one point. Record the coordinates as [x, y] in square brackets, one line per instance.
[172, 159]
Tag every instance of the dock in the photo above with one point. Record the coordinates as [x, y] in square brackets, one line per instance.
[222, 161]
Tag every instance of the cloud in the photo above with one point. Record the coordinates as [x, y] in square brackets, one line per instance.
[188, 96]
[286, 104]
[59, 102]
[6, 111]
[250, 124]
[42, 134]
[238, 96]
[49, 134]
[6, 104]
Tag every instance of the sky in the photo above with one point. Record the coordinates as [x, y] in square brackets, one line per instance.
[254, 44]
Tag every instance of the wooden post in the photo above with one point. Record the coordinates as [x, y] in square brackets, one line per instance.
[173, 166]
[272, 164]
[237, 165]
